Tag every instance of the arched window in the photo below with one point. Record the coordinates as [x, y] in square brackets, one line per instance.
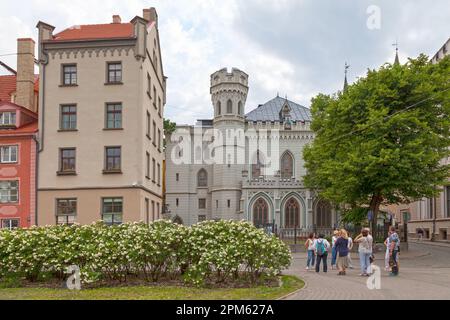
[323, 214]
[202, 178]
[258, 165]
[260, 213]
[240, 108]
[219, 108]
[292, 214]
[287, 166]
[229, 106]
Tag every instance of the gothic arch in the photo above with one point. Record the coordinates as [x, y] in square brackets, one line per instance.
[240, 112]
[219, 108]
[323, 214]
[287, 165]
[292, 213]
[254, 199]
[302, 208]
[202, 178]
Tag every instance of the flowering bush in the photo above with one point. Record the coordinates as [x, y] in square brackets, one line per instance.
[220, 250]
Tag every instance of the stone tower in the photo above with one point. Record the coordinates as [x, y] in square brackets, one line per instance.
[229, 95]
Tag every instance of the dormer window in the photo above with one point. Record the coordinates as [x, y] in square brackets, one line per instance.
[7, 119]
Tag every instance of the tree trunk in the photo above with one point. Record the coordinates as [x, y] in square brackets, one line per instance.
[375, 207]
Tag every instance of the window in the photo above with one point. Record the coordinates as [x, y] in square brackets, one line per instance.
[202, 203]
[66, 211]
[10, 224]
[202, 179]
[159, 140]
[447, 191]
[8, 154]
[219, 108]
[147, 169]
[159, 174]
[292, 214]
[69, 76]
[67, 163]
[112, 211]
[114, 72]
[9, 191]
[229, 106]
[68, 117]
[260, 213]
[114, 116]
[240, 108]
[154, 170]
[158, 210]
[149, 125]
[217, 204]
[154, 97]
[7, 118]
[147, 210]
[153, 211]
[149, 85]
[287, 166]
[229, 203]
[159, 106]
[177, 202]
[154, 133]
[113, 159]
[201, 218]
[177, 177]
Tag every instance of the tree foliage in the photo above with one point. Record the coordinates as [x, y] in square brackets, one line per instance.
[381, 141]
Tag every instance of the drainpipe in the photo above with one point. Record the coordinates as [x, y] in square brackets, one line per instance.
[36, 177]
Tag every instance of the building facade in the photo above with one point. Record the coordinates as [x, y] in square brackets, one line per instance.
[241, 166]
[18, 146]
[102, 98]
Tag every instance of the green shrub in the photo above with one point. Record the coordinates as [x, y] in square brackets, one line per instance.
[210, 250]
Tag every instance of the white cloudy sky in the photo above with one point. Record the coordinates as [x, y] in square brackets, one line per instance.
[295, 47]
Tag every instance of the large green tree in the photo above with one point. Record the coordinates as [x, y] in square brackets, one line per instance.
[382, 139]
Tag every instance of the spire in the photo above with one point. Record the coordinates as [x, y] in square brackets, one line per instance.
[397, 60]
[346, 72]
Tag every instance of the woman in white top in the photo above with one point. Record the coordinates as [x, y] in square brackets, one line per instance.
[365, 242]
[310, 247]
[386, 256]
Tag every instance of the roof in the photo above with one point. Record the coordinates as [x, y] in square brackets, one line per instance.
[270, 111]
[28, 128]
[8, 86]
[96, 31]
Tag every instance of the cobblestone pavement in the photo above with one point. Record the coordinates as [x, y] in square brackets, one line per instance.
[424, 274]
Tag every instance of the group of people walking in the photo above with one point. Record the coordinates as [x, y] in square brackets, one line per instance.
[341, 245]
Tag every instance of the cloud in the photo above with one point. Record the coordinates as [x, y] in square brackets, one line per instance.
[294, 47]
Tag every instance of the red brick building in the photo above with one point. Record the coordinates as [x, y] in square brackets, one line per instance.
[18, 146]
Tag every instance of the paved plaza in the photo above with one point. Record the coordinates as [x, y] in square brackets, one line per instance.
[424, 274]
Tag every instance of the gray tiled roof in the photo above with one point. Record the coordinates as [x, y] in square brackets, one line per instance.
[270, 111]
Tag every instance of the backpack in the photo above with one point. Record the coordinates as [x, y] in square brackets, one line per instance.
[320, 248]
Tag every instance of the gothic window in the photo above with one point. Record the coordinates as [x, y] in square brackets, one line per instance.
[287, 166]
[229, 106]
[258, 165]
[260, 213]
[292, 214]
[323, 214]
[240, 108]
[202, 178]
[219, 108]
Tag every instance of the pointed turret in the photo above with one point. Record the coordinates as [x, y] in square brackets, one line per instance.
[397, 60]
[346, 81]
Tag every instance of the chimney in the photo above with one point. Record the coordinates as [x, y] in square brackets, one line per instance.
[117, 19]
[150, 15]
[25, 74]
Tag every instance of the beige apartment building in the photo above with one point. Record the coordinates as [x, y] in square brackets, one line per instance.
[102, 97]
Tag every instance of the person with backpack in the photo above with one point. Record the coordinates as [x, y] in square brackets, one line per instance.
[310, 248]
[321, 247]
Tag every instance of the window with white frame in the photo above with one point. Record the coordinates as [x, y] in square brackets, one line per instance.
[8, 154]
[66, 211]
[10, 224]
[9, 191]
[7, 118]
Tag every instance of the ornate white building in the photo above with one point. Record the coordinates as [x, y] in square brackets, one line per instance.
[244, 166]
